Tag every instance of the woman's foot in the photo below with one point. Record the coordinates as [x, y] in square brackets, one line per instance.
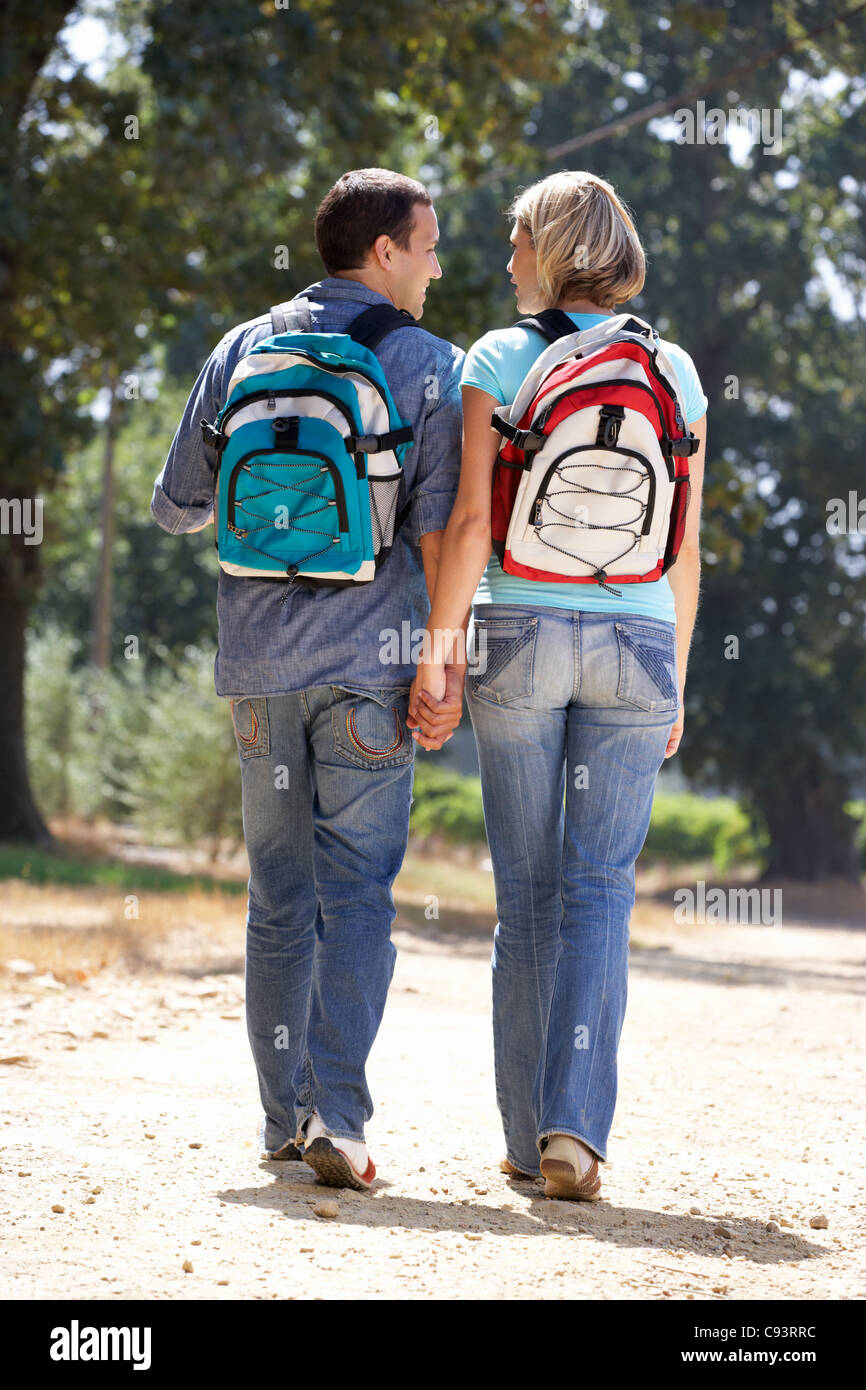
[569, 1169]
[506, 1166]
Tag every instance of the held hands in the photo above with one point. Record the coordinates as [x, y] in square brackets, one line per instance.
[435, 703]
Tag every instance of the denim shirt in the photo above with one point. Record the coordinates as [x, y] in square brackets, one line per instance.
[359, 638]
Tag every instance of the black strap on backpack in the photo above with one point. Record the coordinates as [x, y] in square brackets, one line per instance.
[552, 324]
[375, 323]
[367, 329]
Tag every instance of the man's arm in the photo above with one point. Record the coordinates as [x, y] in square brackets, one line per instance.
[182, 499]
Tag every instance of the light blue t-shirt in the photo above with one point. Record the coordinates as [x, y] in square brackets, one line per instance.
[497, 363]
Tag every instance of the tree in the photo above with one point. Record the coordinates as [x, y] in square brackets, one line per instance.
[734, 251]
[129, 196]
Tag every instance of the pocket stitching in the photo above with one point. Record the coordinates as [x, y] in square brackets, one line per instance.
[257, 743]
[352, 730]
[664, 703]
[520, 640]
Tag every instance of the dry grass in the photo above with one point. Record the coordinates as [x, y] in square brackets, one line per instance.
[77, 930]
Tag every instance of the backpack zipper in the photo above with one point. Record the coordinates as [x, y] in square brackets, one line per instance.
[294, 391]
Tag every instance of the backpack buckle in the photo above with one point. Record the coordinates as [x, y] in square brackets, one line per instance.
[610, 422]
[285, 427]
[211, 435]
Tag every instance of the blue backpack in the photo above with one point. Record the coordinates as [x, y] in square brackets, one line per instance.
[311, 450]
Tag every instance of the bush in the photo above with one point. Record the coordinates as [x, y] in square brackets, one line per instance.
[446, 804]
[684, 828]
[145, 741]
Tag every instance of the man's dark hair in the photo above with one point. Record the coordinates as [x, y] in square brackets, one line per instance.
[365, 204]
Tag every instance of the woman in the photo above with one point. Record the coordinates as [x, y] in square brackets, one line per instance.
[581, 699]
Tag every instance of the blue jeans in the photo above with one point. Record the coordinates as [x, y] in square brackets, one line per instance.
[572, 717]
[327, 785]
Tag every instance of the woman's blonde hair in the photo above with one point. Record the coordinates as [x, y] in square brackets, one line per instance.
[585, 241]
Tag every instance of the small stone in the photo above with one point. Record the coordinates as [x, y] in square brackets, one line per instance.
[99, 1033]
[783, 1221]
[328, 1209]
[89, 1201]
[195, 1242]
[150, 1136]
[24, 1173]
[721, 1230]
[58, 1207]
[195, 1146]
[20, 967]
[772, 1227]
[694, 1211]
[470, 1236]
[96, 1190]
[818, 1222]
[222, 1281]
[481, 1191]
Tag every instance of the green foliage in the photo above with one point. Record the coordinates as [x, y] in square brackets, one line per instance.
[446, 804]
[145, 742]
[684, 828]
[72, 870]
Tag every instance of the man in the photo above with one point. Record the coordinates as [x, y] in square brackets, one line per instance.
[319, 707]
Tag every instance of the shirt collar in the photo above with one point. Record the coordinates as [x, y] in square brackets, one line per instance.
[334, 287]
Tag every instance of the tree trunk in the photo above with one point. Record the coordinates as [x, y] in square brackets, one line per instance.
[102, 599]
[810, 836]
[28, 34]
[19, 816]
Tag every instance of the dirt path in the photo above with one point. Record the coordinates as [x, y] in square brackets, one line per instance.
[134, 1110]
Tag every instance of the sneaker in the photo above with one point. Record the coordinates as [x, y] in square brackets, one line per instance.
[569, 1169]
[337, 1162]
[288, 1153]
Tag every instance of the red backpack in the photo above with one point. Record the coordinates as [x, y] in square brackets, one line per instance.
[591, 482]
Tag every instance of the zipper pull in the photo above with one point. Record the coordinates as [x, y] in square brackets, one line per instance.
[536, 520]
[272, 401]
[292, 572]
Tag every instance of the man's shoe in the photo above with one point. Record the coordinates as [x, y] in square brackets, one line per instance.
[337, 1162]
[570, 1170]
[288, 1153]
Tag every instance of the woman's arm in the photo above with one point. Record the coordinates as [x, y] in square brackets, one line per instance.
[685, 577]
[466, 545]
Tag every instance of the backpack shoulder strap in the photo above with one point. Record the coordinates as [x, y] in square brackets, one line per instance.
[550, 323]
[375, 323]
[297, 310]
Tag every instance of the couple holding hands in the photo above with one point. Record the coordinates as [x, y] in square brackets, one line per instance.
[575, 706]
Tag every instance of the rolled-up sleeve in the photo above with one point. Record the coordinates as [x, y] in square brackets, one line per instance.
[183, 492]
[437, 469]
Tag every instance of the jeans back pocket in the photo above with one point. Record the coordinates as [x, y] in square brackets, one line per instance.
[648, 666]
[504, 659]
[369, 733]
[251, 726]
